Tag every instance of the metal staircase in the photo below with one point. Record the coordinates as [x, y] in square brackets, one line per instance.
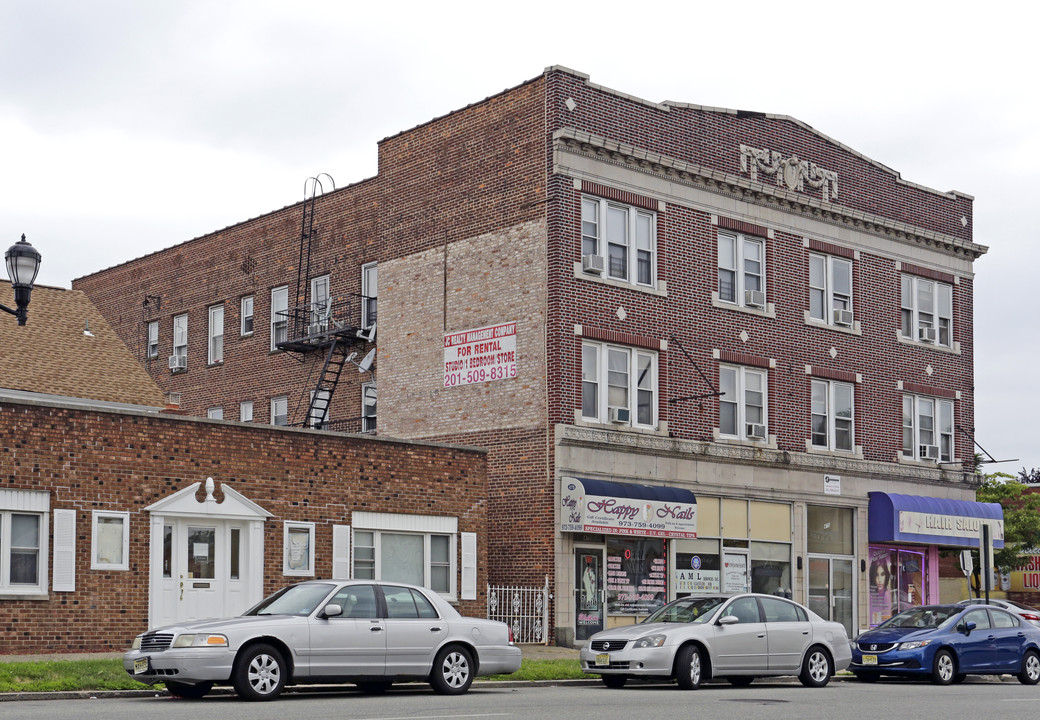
[328, 379]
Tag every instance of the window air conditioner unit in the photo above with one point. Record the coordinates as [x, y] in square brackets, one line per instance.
[756, 431]
[619, 415]
[316, 328]
[926, 334]
[929, 452]
[754, 298]
[842, 317]
[592, 264]
[178, 362]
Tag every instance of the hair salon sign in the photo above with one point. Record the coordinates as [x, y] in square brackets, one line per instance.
[582, 512]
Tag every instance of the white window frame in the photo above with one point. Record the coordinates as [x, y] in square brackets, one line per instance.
[639, 241]
[282, 400]
[916, 410]
[152, 340]
[247, 316]
[22, 502]
[245, 411]
[736, 263]
[916, 295]
[824, 288]
[597, 356]
[215, 413]
[741, 375]
[279, 303]
[293, 528]
[828, 391]
[321, 301]
[180, 335]
[95, 562]
[369, 407]
[376, 570]
[215, 345]
[370, 294]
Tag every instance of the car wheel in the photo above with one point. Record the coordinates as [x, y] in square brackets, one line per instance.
[1030, 673]
[740, 680]
[689, 667]
[452, 671]
[259, 673]
[867, 677]
[187, 691]
[944, 668]
[374, 687]
[614, 681]
[816, 668]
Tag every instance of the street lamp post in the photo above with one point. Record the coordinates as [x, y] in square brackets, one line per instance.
[23, 263]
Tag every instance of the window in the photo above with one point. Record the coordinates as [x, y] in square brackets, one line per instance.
[215, 413]
[153, 339]
[23, 538]
[625, 235]
[927, 428]
[742, 270]
[298, 549]
[216, 334]
[619, 385]
[279, 316]
[247, 315]
[832, 417]
[280, 410]
[369, 293]
[245, 411]
[830, 289]
[742, 405]
[110, 535]
[180, 342]
[368, 408]
[927, 311]
[426, 559]
[321, 305]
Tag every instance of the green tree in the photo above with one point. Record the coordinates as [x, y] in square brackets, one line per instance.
[1021, 516]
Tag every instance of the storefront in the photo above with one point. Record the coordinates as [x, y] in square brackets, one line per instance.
[905, 534]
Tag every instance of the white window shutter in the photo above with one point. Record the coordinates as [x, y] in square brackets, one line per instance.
[469, 566]
[64, 550]
[341, 552]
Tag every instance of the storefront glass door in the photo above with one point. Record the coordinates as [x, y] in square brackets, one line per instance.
[589, 600]
[831, 582]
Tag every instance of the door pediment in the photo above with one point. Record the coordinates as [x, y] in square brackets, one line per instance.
[235, 505]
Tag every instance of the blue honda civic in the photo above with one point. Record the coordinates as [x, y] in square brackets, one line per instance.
[948, 642]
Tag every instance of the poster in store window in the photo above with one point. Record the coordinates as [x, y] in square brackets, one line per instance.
[735, 573]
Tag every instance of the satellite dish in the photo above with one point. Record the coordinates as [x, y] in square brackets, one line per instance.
[366, 363]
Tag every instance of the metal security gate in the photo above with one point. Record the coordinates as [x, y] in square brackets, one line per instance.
[525, 610]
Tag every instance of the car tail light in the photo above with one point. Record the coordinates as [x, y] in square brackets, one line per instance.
[1031, 617]
[511, 642]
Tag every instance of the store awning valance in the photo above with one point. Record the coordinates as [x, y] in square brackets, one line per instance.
[616, 508]
[932, 521]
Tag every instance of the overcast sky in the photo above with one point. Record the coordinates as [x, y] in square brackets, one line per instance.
[127, 126]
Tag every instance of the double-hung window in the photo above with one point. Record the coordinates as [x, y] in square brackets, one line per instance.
[216, 334]
[830, 289]
[927, 310]
[321, 305]
[23, 550]
[369, 294]
[927, 428]
[215, 413]
[247, 315]
[368, 407]
[153, 339]
[742, 405]
[179, 361]
[625, 236]
[742, 270]
[426, 559]
[245, 411]
[280, 410]
[279, 316]
[832, 415]
[619, 385]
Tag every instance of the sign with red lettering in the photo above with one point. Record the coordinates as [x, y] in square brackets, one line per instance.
[1026, 577]
[480, 355]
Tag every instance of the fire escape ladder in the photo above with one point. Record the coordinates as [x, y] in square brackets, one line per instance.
[336, 358]
[312, 187]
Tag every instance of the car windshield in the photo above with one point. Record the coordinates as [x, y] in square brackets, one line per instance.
[929, 617]
[687, 610]
[293, 600]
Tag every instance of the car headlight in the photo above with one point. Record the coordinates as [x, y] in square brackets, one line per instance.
[913, 645]
[200, 640]
[650, 641]
[136, 644]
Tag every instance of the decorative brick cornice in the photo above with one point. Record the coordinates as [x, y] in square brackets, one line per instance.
[736, 358]
[928, 273]
[742, 227]
[629, 198]
[622, 338]
[831, 249]
[921, 389]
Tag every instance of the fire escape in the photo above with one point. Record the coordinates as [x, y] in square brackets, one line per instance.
[334, 326]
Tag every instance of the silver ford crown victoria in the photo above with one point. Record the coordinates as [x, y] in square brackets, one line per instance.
[736, 638]
[360, 631]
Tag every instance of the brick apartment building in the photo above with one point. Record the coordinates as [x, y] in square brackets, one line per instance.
[705, 349]
[116, 515]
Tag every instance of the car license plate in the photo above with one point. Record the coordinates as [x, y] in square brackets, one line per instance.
[870, 659]
[140, 666]
[603, 659]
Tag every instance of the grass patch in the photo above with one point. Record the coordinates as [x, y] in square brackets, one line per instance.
[53, 675]
[545, 670]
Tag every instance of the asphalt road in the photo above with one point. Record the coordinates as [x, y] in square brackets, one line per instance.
[764, 700]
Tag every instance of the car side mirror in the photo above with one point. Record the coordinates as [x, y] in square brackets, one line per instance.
[729, 620]
[333, 610]
[967, 627]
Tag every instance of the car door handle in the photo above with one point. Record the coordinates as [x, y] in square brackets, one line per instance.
[761, 635]
[435, 629]
[376, 628]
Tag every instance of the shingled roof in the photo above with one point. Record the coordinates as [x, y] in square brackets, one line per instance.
[52, 355]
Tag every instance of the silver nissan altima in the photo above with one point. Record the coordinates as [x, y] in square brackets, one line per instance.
[327, 631]
[732, 637]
